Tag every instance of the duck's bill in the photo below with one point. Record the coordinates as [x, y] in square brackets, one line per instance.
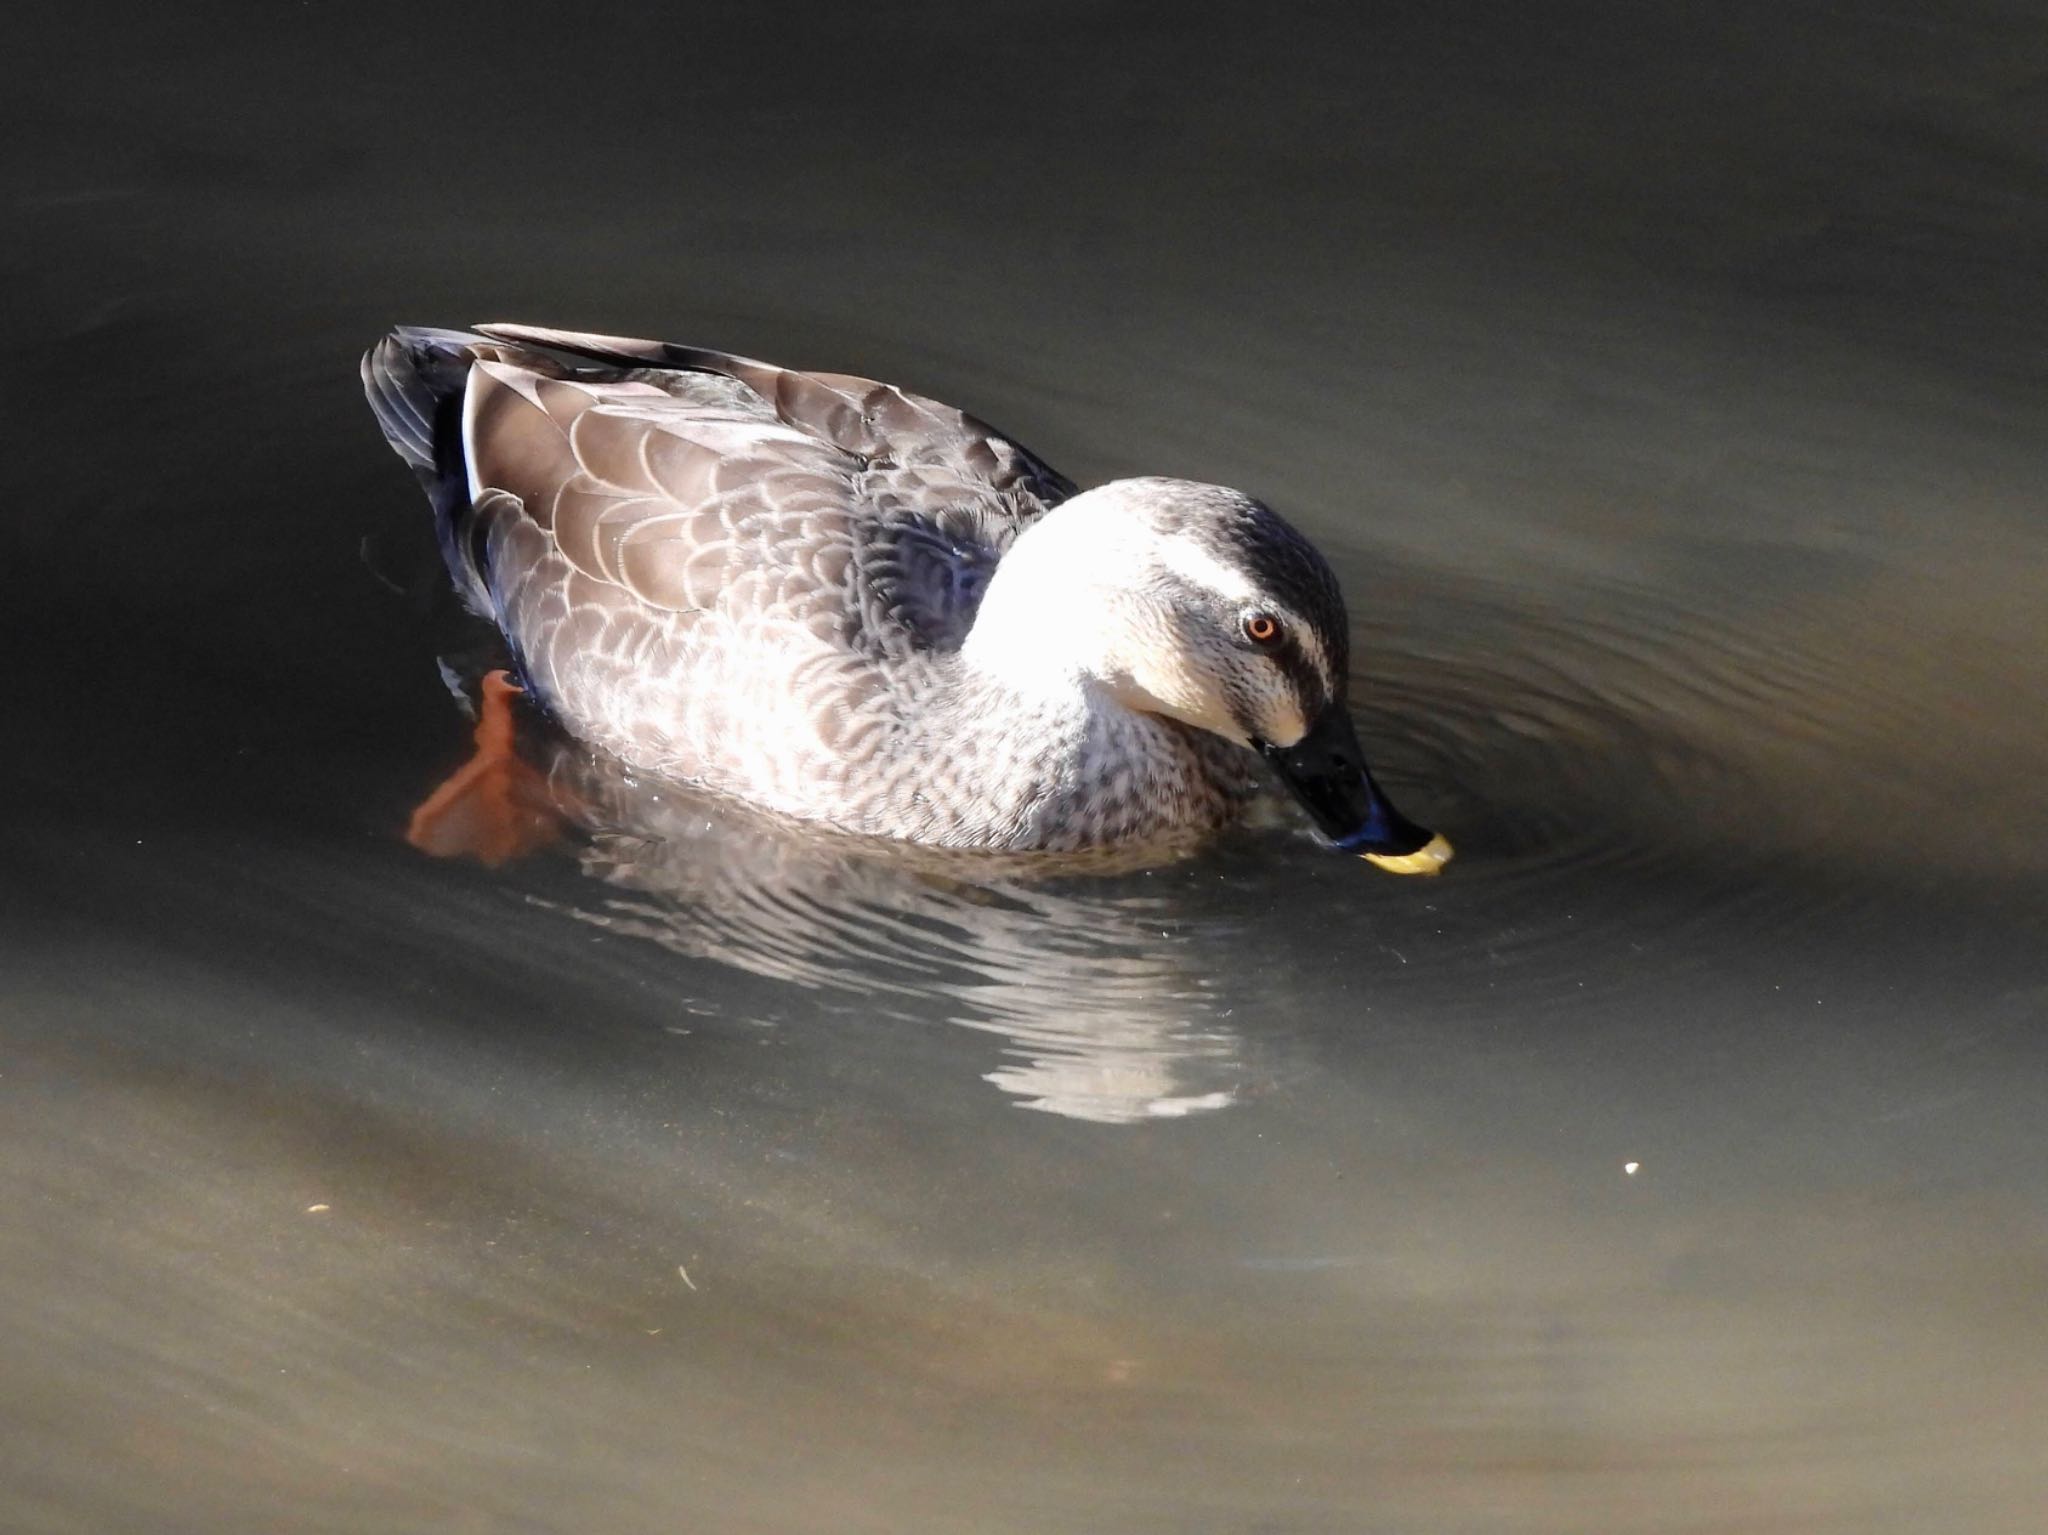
[1326, 771]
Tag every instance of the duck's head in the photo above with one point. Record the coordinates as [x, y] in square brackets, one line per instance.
[1203, 605]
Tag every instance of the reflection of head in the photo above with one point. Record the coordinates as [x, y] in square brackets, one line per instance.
[1102, 1018]
[1110, 1081]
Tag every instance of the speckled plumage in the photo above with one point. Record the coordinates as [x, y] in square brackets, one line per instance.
[764, 581]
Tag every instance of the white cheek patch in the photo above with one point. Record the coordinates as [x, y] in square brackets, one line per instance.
[1283, 721]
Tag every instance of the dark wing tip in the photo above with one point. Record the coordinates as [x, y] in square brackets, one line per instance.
[629, 351]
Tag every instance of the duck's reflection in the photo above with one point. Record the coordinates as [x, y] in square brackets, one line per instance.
[1106, 1016]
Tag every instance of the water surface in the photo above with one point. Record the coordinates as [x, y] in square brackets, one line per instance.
[1667, 393]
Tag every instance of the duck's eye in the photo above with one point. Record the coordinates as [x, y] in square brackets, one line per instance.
[1261, 628]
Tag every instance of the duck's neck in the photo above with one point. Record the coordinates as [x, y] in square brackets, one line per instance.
[1053, 750]
[1037, 755]
[1039, 631]
[1056, 744]
[1027, 697]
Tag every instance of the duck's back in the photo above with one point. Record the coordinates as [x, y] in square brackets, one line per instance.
[711, 567]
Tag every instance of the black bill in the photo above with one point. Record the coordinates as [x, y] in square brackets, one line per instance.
[1326, 770]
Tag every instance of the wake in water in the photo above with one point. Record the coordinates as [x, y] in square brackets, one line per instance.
[1639, 792]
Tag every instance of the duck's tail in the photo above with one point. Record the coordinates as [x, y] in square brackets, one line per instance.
[416, 379]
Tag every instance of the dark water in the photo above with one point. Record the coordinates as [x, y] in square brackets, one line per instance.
[1668, 391]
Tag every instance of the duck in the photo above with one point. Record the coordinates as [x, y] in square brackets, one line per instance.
[848, 604]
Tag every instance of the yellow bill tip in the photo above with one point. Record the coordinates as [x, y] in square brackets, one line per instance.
[1430, 858]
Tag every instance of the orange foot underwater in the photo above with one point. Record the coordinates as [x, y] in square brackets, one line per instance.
[495, 806]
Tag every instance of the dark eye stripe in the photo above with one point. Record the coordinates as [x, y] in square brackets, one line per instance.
[1301, 675]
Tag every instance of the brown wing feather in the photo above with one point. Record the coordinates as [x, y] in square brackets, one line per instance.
[679, 473]
[859, 415]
